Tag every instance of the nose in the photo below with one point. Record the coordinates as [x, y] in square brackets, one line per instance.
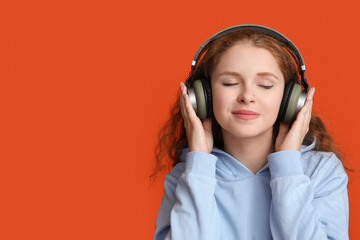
[246, 95]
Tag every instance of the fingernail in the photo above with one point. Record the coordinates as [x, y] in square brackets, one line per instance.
[312, 92]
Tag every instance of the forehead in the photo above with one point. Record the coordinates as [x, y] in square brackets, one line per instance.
[244, 57]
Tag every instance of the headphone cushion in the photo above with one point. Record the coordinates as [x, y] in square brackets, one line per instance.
[285, 100]
[200, 99]
[293, 100]
[208, 96]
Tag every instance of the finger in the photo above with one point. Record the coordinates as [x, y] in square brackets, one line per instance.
[309, 107]
[283, 128]
[181, 97]
[187, 104]
[310, 94]
[305, 111]
[304, 117]
[187, 109]
[309, 98]
[308, 115]
[182, 102]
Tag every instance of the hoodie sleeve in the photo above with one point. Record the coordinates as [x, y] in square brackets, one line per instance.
[188, 209]
[303, 207]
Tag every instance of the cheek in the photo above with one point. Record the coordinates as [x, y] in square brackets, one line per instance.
[220, 103]
[217, 102]
[274, 104]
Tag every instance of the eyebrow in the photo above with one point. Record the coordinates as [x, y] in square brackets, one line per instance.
[267, 74]
[261, 74]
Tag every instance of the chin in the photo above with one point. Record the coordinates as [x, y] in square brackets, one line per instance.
[243, 132]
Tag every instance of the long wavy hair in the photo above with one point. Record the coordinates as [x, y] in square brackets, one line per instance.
[172, 136]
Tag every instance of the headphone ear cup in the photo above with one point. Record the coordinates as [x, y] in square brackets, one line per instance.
[200, 99]
[208, 97]
[293, 100]
[296, 102]
[285, 100]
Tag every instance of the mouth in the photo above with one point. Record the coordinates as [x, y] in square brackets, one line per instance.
[245, 114]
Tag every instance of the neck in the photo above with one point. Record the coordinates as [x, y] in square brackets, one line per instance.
[251, 152]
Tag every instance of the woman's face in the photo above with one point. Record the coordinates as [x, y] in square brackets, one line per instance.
[247, 88]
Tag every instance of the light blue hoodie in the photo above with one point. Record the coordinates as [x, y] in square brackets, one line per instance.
[297, 195]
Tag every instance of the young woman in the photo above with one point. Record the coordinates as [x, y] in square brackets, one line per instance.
[243, 173]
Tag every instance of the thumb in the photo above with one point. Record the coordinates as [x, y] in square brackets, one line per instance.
[283, 129]
[207, 125]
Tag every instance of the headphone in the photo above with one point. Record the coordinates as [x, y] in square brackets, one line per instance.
[293, 100]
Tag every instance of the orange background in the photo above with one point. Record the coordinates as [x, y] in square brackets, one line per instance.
[85, 86]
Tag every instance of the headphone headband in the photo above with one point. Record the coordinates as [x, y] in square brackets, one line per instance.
[266, 30]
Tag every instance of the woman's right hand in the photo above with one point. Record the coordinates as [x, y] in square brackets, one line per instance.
[199, 134]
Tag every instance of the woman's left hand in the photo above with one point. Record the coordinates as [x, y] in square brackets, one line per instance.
[293, 138]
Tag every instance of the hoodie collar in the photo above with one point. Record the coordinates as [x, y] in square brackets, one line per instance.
[228, 165]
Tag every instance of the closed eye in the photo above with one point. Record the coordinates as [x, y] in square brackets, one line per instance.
[267, 86]
[229, 84]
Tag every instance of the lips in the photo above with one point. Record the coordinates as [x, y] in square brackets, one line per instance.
[245, 114]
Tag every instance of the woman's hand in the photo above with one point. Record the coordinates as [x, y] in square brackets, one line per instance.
[199, 134]
[293, 138]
